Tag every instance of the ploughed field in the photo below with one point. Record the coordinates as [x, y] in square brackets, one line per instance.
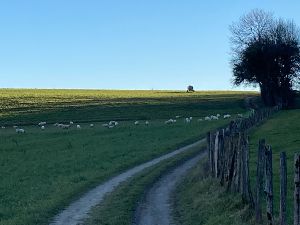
[42, 171]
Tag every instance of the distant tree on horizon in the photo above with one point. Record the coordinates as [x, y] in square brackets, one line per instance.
[266, 52]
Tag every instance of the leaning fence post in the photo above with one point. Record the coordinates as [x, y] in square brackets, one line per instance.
[283, 188]
[259, 179]
[297, 189]
[269, 185]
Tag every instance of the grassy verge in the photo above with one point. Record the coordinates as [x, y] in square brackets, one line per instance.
[201, 200]
[118, 207]
[282, 133]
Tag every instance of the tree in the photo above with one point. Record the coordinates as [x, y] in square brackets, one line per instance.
[266, 52]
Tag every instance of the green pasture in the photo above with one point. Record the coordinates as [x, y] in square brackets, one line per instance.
[43, 171]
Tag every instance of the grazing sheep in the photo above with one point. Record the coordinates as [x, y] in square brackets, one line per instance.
[177, 117]
[207, 118]
[147, 123]
[214, 117]
[42, 123]
[105, 125]
[199, 120]
[113, 123]
[71, 122]
[63, 126]
[240, 115]
[19, 130]
[3, 127]
[111, 126]
[218, 115]
[191, 118]
[78, 126]
[91, 125]
[15, 126]
[226, 116]
[136, 123]
[43, 127]
[187, 120]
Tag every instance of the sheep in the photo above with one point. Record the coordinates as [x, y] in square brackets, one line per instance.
[43, 127]
[15, 126]
[187, 120]
[20, 130]
[226, 116]
[3, 127]
[63, 126]
[146, 123]
[91, 125]
[42, 123]
[240, 115]
[113, 123]
[207, 118]
[214, 117]
[105, 125]
[71, 122]
[218, 115]
[199, 120]
[78, 126]
[56, 124]
[111, 126]
[136, 123]
[191, 118]
[177, 117]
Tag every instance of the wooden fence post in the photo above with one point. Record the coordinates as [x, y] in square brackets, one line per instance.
[269, 185]
[283, 188]
[259, 179]
[297, 189]
[216, 154]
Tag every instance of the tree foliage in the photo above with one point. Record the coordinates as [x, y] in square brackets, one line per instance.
[266, 52]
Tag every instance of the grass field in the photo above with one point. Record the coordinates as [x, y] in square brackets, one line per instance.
[29, 106]
[282, 132]
[42, 171]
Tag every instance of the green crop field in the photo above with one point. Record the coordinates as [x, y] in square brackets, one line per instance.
[43, 171]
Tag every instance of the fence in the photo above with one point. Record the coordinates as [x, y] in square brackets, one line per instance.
[228, 151]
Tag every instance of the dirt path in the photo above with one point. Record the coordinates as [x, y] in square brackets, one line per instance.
[155, 208]
[77, 211]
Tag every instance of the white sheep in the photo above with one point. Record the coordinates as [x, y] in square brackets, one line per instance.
[71, 122]
[91, 125]
[15, 126]
[63, 126]
[191, 118]
[214, 117]
[42, 123]
[78, 126]
[218, 115]
[226, 116]
[3, 127]
[240, 115]
[199, 120]
[147, 123]
[187, 120]
[170, 121]
[177, 117]
[20, 130]
[43, 127]
[207, 118]
[105, 125]
[136, 123]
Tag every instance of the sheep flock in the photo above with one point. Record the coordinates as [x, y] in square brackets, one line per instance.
[113, 124]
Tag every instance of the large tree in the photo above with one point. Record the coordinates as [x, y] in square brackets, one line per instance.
[266, 52]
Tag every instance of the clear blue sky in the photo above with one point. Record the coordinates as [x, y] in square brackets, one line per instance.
[125, 44]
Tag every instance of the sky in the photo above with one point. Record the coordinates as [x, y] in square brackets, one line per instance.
[124, 44]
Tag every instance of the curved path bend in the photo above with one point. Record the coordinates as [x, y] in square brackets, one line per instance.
[77, 211]
[156, 208]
